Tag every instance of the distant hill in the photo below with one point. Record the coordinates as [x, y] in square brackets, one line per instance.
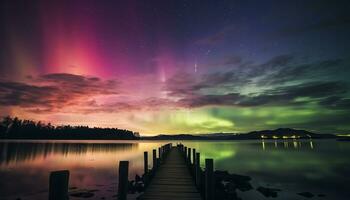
[174, 137]
[217, 134]
[14, 128]
[280, 133]
[286, 133]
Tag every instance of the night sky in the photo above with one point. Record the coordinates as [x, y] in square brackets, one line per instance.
[177, 66]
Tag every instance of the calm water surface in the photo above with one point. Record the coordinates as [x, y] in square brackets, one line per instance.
[317, 166]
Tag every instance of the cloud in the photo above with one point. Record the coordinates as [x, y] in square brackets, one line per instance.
[218, 78]
[272, 64]
[336, 102]
[282, 80]
[278, 81]
[78, 84]
[114, 107]
[313, 70]
[278, 96]
[21, 94]
[207, 100]
[190, 91]
[181, 84]
[52, 92]
[186, 83]
[313, 89]
[287, 94]
[120, 105]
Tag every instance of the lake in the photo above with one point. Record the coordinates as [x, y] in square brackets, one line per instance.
[294, 166]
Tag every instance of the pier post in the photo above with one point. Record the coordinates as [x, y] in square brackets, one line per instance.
[189, 156]
[58, 185]
[185, 153]
[209, 179]
[154, 159]
[159, 153]
[164, 151]
[197, 169]
[123, 180]
[193, 157]
[145, 163]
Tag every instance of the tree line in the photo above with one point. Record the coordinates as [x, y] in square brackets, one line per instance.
[15, 128]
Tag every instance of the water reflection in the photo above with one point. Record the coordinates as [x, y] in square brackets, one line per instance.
[291, 165]
[311, 144]
[92, 165]
[287, 144]
[14, 152]
[317, 166]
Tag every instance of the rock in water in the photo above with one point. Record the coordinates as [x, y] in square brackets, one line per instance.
[137, 178]
[268, 192]
[306, 194]
[241, 182]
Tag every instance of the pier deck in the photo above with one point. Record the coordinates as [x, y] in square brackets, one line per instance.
[172, 180]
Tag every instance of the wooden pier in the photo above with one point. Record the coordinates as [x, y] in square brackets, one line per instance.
[176, 174]
[172, 180]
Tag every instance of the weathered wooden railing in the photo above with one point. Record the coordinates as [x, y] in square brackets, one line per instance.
[59, 180]
[204, 178]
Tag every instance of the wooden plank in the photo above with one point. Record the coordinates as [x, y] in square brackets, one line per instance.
[172, 194]
[172, 180]
[171, 183]
[172, 190]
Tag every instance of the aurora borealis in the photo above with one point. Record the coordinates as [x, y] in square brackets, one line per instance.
[177, 66]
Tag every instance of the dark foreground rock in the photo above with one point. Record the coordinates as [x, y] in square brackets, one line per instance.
[226, 185]
[137, 185]
[268, 192]
[240, 182]
[306, 194]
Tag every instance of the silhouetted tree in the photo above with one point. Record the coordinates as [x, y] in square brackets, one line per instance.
[14, 128]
